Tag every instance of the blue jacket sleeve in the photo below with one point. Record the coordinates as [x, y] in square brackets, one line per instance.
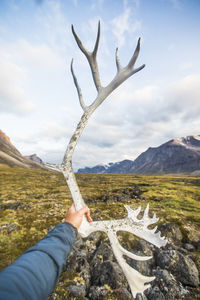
[34, 274]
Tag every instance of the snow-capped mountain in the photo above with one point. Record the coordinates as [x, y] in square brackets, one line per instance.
[180, 155]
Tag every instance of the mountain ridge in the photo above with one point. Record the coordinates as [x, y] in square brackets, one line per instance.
[10, 156]
[179, 155]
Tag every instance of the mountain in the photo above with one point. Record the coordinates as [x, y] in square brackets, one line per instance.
[35, 158]
[10, 156]
[181, 155]
[96, 169]
[118, 167]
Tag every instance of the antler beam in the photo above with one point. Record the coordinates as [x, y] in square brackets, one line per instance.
[131, 223]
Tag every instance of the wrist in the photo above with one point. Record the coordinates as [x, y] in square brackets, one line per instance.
[74, 229]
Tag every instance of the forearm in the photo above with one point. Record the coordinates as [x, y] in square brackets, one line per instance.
[34, 274]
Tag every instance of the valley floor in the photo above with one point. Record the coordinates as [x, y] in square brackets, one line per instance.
[33, 200]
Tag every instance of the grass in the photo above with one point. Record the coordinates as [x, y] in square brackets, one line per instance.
[43, 199]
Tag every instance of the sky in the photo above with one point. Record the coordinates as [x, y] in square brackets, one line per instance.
[39, 106]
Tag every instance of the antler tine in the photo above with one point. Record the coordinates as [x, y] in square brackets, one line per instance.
[137, 70]
[135, 55]
[79, 43]
[53, 166]
[97, 40]
[84, 107]
[134, 58]
[93, 62]
[91, 57]
[117, 60]
[146, 212]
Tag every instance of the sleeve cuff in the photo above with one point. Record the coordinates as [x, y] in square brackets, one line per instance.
[74, 229]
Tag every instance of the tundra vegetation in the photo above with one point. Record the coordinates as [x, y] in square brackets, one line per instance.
[32, 201]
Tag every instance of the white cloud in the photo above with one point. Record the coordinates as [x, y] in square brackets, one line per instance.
[186, 66]
[38, 55]
[54, 131]
[31, 55]
[184, 95]
[12, 94]
[48, 145]
[131, 121]
[54, 26]
[123, 24]
[126, 125]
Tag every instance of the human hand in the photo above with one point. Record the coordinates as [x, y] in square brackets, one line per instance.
[75, 217]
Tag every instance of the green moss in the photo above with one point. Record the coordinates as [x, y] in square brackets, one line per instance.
[44, 198]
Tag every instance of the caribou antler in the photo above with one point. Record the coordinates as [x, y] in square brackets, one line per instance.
[131, 223]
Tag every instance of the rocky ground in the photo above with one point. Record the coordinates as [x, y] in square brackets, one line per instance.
[98, 276]
[33, 201]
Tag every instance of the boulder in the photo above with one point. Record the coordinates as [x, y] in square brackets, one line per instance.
[78, 291]
[97, 292]
[108, 273]
[167, 284]
[156, 294]
[179, 265]
[122, 294]
[78, 263]
[172, 233]
[189, 247]
[145, 247]
[140, 297]
[193, 232]
[103, 253]
[176, 274]
[93, 241]
[144, 267]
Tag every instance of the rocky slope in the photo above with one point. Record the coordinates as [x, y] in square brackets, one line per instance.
[173, 157]
[100, 277]
[10, 156]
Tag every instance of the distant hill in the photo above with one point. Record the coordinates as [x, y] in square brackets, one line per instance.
[35, 158]
[181, 155]
[118, 167]
[10, 156]
[96, 169]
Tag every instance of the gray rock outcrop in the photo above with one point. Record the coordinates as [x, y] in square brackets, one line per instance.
[174, 267]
